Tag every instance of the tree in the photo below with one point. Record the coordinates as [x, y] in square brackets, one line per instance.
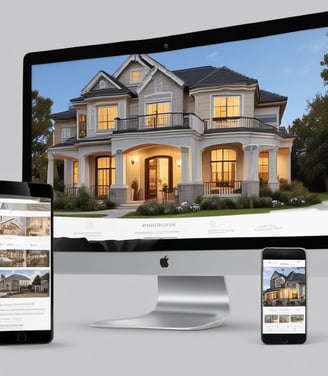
[37, 280]
[310, 149]
[42, 130]
[324, 73]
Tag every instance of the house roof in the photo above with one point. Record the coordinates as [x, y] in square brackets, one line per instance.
[268, 97]
[193, 78]
[115, 89]
[212, 76]
[19, 277]
[297, 277]
[65, 115]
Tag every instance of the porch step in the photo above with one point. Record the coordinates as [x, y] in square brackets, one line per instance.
[130, 205]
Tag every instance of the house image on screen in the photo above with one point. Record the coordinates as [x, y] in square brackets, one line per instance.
[286, 289]
[187, 133]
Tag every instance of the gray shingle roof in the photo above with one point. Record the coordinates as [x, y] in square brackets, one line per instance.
[212, 76]
[65, 115]
[267, 97]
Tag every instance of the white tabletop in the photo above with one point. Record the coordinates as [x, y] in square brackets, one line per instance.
[235, 348]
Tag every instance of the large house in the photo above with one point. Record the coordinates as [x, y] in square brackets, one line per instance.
[286, 289]
[191, 132]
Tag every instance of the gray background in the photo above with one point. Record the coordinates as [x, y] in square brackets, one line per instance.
[79, 299]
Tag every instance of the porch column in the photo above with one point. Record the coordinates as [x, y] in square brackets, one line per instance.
[273, 181]
[119, 170]
[119, 192]
[252, 165]
[251, 183]
[196, 157]
[50, 170]
[82, 170]
[185, 164]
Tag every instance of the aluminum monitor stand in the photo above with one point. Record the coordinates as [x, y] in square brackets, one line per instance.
[184, 303]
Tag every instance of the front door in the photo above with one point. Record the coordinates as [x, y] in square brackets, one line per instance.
[158, 174]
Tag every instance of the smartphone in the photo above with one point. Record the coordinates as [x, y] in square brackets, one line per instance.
[26, 272]
[283, 296]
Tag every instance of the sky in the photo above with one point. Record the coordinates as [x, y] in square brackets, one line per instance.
[286, 64]
[268, 271]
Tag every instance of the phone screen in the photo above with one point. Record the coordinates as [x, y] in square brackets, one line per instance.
[283, 297]
[25, 264]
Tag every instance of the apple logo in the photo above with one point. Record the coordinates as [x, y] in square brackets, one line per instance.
[164, 262]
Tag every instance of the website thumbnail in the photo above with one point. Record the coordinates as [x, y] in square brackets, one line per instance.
[283, 296]
[25, 262]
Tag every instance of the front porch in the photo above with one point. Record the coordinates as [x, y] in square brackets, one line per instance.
[181, 193]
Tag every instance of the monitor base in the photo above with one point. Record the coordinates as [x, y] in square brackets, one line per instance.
[183, 303]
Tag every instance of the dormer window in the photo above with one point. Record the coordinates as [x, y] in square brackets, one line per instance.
[135, 76]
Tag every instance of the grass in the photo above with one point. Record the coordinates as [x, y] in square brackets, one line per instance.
[209, 213]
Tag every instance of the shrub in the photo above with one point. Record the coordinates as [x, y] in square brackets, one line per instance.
[150, 208]
[83, 201]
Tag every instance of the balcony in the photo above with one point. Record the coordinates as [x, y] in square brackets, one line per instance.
[239, 123]
[159, 121]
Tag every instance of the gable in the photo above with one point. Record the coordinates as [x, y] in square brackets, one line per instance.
[100, 81]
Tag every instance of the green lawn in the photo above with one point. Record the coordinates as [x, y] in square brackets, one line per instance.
[208, 213]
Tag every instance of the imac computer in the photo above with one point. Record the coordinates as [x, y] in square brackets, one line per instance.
[182, 157]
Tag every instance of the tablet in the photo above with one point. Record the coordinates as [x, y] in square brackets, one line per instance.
[26, 274]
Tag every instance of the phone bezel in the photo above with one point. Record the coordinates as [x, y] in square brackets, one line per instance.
[26, 189]
[283, 254]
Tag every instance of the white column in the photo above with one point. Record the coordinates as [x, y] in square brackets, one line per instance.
[252, 164]
[82, 170]
[184, 164]
[273, 165]
[50, 171]
[119, 170]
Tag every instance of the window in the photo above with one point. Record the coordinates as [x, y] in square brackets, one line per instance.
[82, 126]
[65, 134]
[223, 165]
[135, 76]
[105, 175]
[264, 166]
[106, 117]
[158, 114]
[75, 173]
[226, 106]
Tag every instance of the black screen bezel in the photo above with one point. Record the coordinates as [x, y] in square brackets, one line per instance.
[282, 254]
[173, 42]
[27, 190]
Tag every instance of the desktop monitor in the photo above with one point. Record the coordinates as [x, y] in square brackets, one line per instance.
[182, 157]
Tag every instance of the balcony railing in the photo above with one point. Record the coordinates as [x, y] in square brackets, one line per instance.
[97, 191]
[224, 124]
[153, 122]
[222, 187]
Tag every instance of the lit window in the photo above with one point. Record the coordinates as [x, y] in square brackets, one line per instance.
[264, 166]
[158, 114]
[75, 173]
[135, 76]
[105, 175]
[226, 106]
[82, 125]
[223, 165]
[106, 117]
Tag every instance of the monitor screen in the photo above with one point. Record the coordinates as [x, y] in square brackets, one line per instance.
[182, 156]
[164, 143]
